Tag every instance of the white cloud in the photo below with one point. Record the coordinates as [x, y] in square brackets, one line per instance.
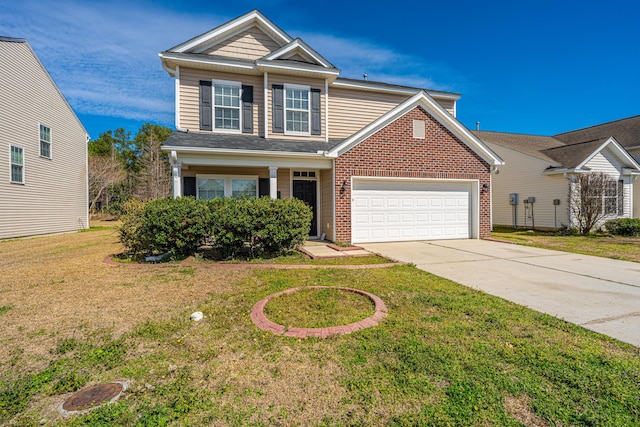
[104, 56]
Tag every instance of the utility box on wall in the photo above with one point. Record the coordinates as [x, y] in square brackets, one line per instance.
[513, 198]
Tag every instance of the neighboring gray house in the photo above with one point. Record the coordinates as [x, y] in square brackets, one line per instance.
[542, 167]
[43, 150]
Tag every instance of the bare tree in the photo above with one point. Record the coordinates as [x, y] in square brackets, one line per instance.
[155, 172]
[592, 197]
[104, 173]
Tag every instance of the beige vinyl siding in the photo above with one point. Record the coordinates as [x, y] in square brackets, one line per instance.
[250, 44]
[326, 204]
[447, 104]
[278, 79]
[190, 97]
[54, 196]
[523, 174]
[636, 186]
[607, 162]
[284, 176]
[284, 183]
[351, 110]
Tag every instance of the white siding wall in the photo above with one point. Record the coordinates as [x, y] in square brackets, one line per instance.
[54, 196]
[606, 162]
[522, 174]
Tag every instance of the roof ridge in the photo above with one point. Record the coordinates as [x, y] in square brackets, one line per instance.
[514, 133]
[598, 125]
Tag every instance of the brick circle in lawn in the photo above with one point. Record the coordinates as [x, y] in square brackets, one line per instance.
[260, 320]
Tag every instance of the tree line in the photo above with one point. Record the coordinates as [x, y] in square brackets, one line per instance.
[122, 167]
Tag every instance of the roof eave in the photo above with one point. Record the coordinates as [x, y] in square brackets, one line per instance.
[201, 150]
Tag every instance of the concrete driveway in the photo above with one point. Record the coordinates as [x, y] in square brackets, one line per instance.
[597, 293]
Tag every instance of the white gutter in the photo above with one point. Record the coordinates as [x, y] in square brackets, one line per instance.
[176, 74]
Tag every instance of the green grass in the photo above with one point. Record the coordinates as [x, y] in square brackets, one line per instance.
[602, 245]
[445, 356]
[318, 308]
[4, 309]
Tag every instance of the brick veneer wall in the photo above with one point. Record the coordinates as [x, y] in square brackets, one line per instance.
[393, 152]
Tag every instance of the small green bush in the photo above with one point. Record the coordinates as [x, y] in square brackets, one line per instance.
[179, 226]
[131, 228]
[261, 225]
[623, 226]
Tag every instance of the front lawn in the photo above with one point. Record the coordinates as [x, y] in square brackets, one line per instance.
[445, 355]
[615, 247]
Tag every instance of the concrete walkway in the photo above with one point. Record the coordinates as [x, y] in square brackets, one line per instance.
[600, 294]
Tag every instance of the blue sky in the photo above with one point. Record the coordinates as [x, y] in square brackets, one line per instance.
[539, 67]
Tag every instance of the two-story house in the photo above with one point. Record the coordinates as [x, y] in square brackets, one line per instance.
[43, 150]
[259, 113]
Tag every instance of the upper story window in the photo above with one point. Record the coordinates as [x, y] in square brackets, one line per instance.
[45, 141]
[226, 105]
[297, 109]
[17, 164]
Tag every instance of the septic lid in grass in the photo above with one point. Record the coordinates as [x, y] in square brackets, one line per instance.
[93, 397]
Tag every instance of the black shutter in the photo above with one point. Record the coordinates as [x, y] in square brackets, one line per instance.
[316, 122]
[206, 106]
[278, 108]
[247, 109]
[189, 186]
[264, 185]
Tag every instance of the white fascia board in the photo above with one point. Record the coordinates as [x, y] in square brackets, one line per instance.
[364, 85]
[298, 44]
[620, 151]
[421, 99]
[315, 69]
[232, 26]
[256, 160]
[227, 63]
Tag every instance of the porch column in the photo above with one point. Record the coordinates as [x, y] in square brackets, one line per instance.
[273, 182]
[176, 174]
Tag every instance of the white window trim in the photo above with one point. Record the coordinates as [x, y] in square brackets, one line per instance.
[50, 156]
[228, 187]
[11, 166]
[298, 87]
[213, 102]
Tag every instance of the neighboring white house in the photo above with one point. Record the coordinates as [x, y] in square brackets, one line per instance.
[43, 150]
[539, 170]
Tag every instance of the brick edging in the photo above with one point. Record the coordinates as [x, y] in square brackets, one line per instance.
[109, 261]
[260, 320]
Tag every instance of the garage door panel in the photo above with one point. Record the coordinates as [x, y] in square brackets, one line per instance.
[396, 210]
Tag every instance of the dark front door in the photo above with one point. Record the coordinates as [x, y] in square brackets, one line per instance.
[306, 191]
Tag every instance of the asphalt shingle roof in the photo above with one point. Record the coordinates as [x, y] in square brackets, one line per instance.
[247, 142]
[625, 131]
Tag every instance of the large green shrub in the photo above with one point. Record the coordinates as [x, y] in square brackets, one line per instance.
[260, 225]
[623, 226]
[181, 226]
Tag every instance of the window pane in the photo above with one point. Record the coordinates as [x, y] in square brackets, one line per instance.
[243, 187]
[45, 149]
[16, 155]
[45, 133]
[16, 173]
[227, 107]
[227, 118]
[210, 188]
[297, 121]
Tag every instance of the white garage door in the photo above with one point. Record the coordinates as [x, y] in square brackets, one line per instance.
[391, 211]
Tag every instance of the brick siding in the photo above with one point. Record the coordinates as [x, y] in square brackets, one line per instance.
[393, 152]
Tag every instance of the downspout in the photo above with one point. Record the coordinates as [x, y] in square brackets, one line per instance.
[176, 74]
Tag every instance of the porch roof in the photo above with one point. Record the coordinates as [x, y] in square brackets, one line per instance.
[245, 143]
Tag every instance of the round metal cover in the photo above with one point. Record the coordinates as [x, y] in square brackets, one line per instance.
[93, 396]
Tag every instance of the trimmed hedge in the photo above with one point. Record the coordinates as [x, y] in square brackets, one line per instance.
[623, 226]
[182, 225]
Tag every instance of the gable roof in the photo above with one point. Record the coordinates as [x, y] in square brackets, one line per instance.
[298, 47]
[222, 32]
[420, 99]
[559, 154]
[626, 131]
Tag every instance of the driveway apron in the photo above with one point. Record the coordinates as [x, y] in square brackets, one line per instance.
[600, 294]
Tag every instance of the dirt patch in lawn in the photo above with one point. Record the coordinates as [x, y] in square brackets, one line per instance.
[58, 287]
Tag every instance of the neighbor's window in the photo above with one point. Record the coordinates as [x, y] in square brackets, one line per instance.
[297, 109]
[214, 186]
[612, 198]
[45, 141]
[226, 105]
[17, 164]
